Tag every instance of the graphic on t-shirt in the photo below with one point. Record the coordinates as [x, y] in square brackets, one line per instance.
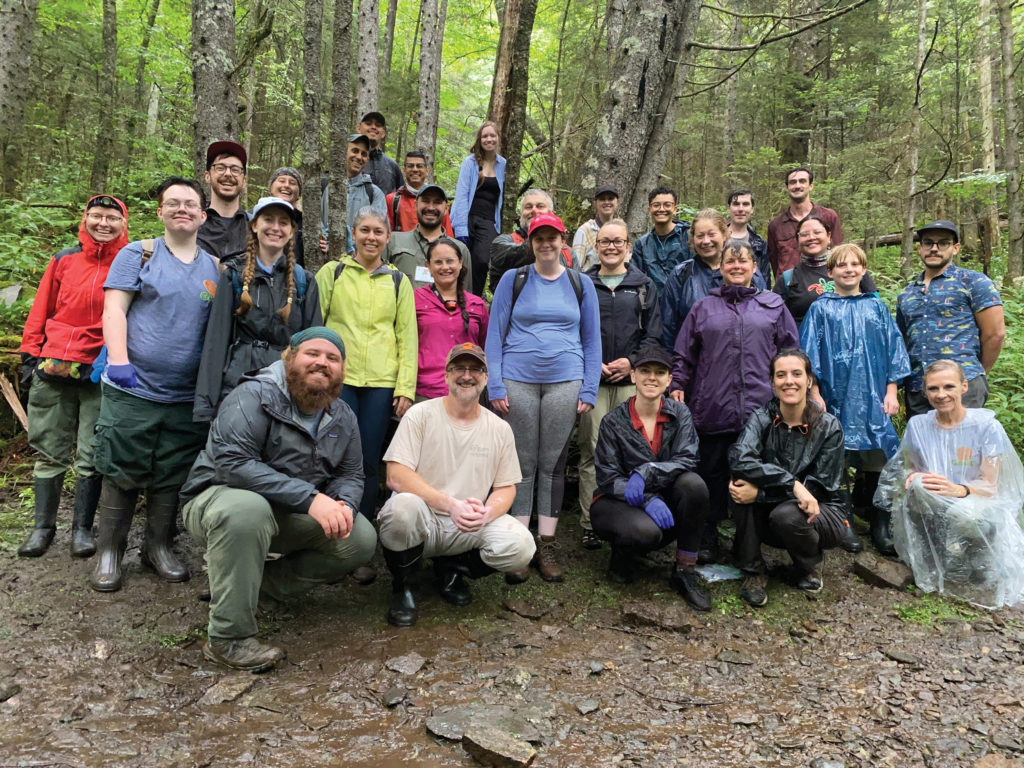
[963, 456]
[825, 286]
[210, 292]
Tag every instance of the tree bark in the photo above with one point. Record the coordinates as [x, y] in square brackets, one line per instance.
[638, 112]
[389, 39]
[368, 90]
[141, 92]
[514, 117]
[497, 109]
[907, 260]
[431, 47]
[795, 131]
[215, 102]
[1011, 148]
[615, 16]
[312, 45]
[731, 94]
[17, 39]
[986, 90]
[105, 136]
[338, 129]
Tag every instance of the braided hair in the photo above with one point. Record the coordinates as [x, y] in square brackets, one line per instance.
[460, 288]
[249, 271]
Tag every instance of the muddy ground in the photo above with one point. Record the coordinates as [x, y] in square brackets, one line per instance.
[591, 674]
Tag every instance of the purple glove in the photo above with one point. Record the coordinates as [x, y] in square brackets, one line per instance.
[123, 375]
[635, 490]
[658, 511]
[464, 239]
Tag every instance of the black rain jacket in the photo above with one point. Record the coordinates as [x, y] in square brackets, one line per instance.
[626, 321]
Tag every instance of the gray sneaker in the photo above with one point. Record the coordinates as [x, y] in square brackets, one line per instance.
[245, 653]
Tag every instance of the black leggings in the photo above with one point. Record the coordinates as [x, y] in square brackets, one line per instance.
[713, 467]
[631, 530]
[481, 235]
[785, 525]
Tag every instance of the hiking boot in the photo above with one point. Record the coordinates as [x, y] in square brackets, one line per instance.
[848, 540]
[116, 509]
[591, 540]
[708, 552]
[752, 592]
[621, 567]
[517, 577]
[244, 653]
[546, 559]
[881, 535]
[449, 573]
[47, 493]
[87, 495]
[687, 582]
[364, 575]
[161, 525]
[403, 564]
[811, 582]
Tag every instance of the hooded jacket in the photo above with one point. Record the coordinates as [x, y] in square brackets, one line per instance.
[239, 344]
[773, 456]
[622, 450]
[656, 258]
[723, 353]
[383, 171]
[629, 315]
[257, 443]
[66, 319]
[362, 192]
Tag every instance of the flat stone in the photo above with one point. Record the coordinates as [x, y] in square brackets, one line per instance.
[746, 718]
[453, 722]
[880, 572]
[596, 667]
[102, 650]
[526, 610]
[995, 760]
[1004, 741]
[393, 696]
[730, 656]
[902, 658]
[228, 689]
[821, 762]
[587, 706]
[8, 689]
[406, 665]
[495, 748]
[674, 618]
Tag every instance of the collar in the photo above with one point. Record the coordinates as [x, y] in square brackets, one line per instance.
[634, 417]
[789, 214]
[951, 270]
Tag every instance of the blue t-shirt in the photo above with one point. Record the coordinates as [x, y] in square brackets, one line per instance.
[551, 337]
[166, 319]
[938, 322]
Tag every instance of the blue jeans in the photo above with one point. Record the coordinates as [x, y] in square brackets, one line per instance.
[372, 407]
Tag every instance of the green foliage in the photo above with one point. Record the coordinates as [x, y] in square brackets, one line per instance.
[931, 608]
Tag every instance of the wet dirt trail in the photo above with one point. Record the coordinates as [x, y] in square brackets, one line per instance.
[590, 674]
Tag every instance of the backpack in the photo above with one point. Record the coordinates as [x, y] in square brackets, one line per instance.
[395, 201]
[519, 282]
[396, 278]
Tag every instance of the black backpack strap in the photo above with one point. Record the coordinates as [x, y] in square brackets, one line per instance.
[518, 283]
[576, 283]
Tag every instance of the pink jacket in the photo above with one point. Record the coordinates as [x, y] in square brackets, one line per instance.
[439, 331]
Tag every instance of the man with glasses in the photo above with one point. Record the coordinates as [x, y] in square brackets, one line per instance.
[226, 229]
[667, 245]
[949, 313]
[453, 468]
[402, 202]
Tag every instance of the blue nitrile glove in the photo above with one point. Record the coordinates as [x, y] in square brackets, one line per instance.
[98, 365]
[635, 490]
[464, 239]
[123, 375]
[658, 511]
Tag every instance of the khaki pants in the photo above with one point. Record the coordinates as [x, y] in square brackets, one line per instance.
[61, 422]
[239, 528]
[406, 521]
[608, 397]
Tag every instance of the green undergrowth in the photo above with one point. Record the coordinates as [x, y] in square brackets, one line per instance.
[930, 608]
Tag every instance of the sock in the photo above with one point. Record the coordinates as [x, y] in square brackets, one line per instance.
[685, 560]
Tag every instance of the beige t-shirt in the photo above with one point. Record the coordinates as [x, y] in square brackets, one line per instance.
[463, 462]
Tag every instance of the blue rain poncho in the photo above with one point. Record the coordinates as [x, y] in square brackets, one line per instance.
[971, 547]
[856, 350]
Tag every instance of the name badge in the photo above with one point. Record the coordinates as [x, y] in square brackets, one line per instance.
[423, 275]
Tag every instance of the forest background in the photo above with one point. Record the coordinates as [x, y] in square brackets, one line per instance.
[905, 110]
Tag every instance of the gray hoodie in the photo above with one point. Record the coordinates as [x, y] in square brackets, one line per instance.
[362, 192]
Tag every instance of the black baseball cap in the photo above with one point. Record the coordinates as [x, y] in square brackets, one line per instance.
[374, 116]
[653, 353]
[607, 189]
[943, 225]
[354, 137]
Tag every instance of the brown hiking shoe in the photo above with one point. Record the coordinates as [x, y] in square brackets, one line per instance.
[752, 592]
[245, 653]
[545, 560]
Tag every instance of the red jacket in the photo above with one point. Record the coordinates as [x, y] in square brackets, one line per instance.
[66, 319]
[407, 212]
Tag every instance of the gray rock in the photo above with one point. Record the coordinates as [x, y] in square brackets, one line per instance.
[902, 658]
[1003, 741]
[596, 667]
[393, 696]
[228, 689]
[821, 762]
[587, 706]
[8, 689]
[493, 747]
[674, 618]
[526, 610]
[880, 572]
[730, 656]
[746, 718]
[406, 665]
[453, 722]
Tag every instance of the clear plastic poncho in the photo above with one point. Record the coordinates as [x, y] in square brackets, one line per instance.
[972, 548]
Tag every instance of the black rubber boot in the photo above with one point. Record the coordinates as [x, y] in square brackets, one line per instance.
[403, 566]
[116, 509]
[848, 539]
[621, 565]
[47, 493]
[450, 570]
[87, 495]
[161, 526]
[881, 534]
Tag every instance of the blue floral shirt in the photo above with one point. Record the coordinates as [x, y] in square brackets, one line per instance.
[937, 321]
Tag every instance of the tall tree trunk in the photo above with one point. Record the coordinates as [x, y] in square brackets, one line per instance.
[105, 136]
[638, 111]
[215, 104]
[339, 126]
[141, 92]
[312, 45]
[153, 110]
[552, 155]
[368, 91]
[430, 75]
[497, 109]
[389, 39]
[913, 140]
[615, 16]
[1011, 147]
[794, 136]
[17, 39]
[731, 94]
[515, 108]
[986, 93]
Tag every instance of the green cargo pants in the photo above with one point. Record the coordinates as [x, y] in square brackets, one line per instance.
[239, 528]
[61, 422]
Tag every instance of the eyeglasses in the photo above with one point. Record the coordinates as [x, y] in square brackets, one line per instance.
[173, 205]
[663, 206]
[96, 218]
[462, 370]
[416, 166]
[233, 170]
[942, 244]
[618, 242]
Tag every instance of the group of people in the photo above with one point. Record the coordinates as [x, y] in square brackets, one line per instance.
[209, 370]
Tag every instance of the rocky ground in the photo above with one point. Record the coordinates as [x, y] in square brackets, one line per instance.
[584, 673]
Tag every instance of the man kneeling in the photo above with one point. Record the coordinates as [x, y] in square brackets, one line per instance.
[282, 472]
[447, 455]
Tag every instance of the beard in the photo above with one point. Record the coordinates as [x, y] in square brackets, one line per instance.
[311, 396]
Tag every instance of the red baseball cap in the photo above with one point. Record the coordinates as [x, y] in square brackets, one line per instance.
[546, 220]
